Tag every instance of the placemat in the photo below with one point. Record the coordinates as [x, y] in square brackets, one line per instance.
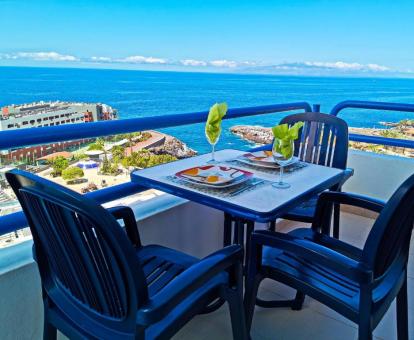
[232, 191]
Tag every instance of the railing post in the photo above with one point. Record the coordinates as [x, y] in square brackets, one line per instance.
[316, 108]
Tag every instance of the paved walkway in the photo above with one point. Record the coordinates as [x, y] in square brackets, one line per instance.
[157, 139]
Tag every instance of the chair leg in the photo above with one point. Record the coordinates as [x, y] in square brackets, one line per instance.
[364, 328]
[402, 313]
[364, 333]
[365, 310]
[240, 233]
[336, 215]
[238, 324]
[249, 231]
[228, 221]
[272, 226]
[49, 331]
[298, 301]
[236, 230]
[250, 295]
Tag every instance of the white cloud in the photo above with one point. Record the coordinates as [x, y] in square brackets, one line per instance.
[39, 56]
[192, 62]
[376, 67]
[101, 59]
[138, 59]
[249, 63]
[332, 66]
[232, 64]
[224, 63]
[297, 68]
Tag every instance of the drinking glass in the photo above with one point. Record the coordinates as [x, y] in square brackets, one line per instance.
[213, 139]
[282, 152]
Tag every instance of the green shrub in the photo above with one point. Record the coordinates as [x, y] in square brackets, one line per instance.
[72, 173]
[58, 165]
[388, 133]
[118, 153]
[95, 146]
[109, 168]
[80, 156]
[146, 159]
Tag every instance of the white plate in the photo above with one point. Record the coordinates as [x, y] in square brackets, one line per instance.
[215, 186]
[268, 165]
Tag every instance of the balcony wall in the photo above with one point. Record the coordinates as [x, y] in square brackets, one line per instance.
[172, 222]
[377, 175]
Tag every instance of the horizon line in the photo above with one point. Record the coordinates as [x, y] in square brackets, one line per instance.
[224, 72]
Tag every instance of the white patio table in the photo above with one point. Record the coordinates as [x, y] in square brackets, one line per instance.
[258, 201]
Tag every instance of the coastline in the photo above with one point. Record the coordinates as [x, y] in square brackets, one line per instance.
[404, 130]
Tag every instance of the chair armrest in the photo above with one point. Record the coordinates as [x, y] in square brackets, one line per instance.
[327, 199]
[127, 215]
[311, 251]
[356, 200]
[187, 283]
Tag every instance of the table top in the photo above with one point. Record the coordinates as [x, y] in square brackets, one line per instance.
[262, 203]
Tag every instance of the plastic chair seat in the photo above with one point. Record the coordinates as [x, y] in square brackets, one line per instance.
[296, 271]
[336, 245]
[281, 265]
[161, 265]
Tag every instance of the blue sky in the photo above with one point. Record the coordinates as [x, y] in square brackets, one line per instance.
[287, 37]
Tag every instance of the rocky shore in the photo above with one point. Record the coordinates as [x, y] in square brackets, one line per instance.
[174, 147]
[255, 134]
[402, 130]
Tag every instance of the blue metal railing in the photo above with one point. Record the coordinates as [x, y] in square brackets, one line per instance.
[20, 137]
[357, 104]
[45, 135]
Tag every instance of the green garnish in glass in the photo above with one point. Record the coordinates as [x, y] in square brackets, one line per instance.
[284, 147]
[213, 125]
[286, 135]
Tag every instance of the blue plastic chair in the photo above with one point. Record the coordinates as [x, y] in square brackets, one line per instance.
[100, 282]
[358, 283]
[323, 140]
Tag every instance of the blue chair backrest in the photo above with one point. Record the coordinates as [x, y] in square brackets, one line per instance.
[322, 140]
[388, 243]
[88, 267]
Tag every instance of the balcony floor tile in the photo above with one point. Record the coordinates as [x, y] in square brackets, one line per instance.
[314, 321]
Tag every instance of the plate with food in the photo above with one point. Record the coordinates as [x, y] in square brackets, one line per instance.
[262, 158]
[214, 176]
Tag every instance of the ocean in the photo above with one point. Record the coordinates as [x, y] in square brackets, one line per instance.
[147, 93]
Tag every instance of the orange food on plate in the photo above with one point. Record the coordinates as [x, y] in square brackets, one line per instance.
[212, 179]
[268, 153]
[191, 172]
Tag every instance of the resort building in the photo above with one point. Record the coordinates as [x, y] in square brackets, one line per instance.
[40, 114]
[46, 114]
